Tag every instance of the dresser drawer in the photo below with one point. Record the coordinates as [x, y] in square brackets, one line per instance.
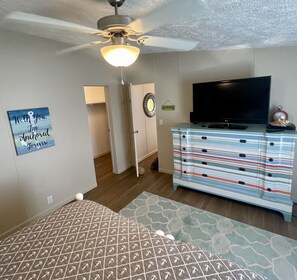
[232, 180]
[219, 157]
[281, 147]
[227, 174]
[187, 167]
[221, 142]
[276, 167]
[277, 181]
[277, 171]
[277, 191]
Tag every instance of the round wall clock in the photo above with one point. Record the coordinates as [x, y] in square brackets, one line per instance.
[149, 105]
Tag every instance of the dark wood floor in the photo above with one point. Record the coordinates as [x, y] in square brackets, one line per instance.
[116, 191]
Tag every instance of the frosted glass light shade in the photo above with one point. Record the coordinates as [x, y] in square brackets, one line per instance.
[120, 55]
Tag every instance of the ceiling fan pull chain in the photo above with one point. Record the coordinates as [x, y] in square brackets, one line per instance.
[122, 81]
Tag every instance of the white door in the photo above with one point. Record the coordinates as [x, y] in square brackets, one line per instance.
[150, 124]
[144, 127]
[134, 131]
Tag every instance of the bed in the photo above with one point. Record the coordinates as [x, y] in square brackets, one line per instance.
[85, 240]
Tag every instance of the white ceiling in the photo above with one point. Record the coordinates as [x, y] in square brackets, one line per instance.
[220, 24]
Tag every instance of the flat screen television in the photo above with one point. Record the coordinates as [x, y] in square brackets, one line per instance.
[227, 102]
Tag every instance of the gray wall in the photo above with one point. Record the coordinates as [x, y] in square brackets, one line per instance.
[174, 74]
[31, 77]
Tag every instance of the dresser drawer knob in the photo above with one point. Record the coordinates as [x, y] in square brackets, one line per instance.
[204, 162]
[269, 175]
[184, 160]
[241, 169]
[184, 148]
[241, 182]
[268, 189]
[242, 155]
[270, 159]
[242, 141]
[185, 172]
[204, 150]
[204, 137]
[271, 144]
[204, 175]
[184, 136]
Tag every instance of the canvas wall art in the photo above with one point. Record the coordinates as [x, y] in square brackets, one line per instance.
[31, 129]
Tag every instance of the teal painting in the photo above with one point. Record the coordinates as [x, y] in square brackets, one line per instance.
[31, 129]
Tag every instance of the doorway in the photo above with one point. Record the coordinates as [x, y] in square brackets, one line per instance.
[99, 124]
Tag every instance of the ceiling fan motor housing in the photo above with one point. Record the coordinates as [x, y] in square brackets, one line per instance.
[113, 21]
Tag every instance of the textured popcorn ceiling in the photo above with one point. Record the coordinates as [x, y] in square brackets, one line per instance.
[220, 24]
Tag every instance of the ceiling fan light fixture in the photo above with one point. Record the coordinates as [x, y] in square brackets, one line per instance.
[120, 55]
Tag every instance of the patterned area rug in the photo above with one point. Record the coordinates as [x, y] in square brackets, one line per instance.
[269, 254]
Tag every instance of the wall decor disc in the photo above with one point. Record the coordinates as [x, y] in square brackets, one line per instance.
[149, 105]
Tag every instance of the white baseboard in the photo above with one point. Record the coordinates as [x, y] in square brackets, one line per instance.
[102, 154]
[167, 171]
[147, 155]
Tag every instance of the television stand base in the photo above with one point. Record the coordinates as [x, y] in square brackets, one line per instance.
[228, 126]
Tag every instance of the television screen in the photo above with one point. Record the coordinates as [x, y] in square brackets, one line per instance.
[232, 101]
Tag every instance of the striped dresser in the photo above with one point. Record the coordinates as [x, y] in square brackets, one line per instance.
[249, 165]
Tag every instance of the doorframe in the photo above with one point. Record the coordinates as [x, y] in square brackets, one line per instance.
[111, 130]
[133, 132]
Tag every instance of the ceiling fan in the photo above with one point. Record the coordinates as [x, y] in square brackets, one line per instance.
[121, 32]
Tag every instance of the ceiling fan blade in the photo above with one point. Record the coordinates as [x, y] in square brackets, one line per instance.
[79, 47]
[169, 43]
[168, 13]
[40, 20]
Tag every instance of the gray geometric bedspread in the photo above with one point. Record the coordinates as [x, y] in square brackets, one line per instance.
[85, 240]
